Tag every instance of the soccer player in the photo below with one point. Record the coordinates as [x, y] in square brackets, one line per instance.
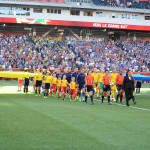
[53, 84]
[95, 76]
[81, 84]
[75, 74]
[47, 81]
[58, 73]
[68, 77]
[100, 77]
[38, 83]
[138, 86]
[55, 71]
[119, 81]
[44, 74]
[73, 89]
[89, 82]
[26, 82]
[64, 86]
[113, 80]
[20, 83]
[59, 86]
[34, 82]
[65, 73]
[106, 86]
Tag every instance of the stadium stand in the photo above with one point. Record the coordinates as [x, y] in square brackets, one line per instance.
[37, 52]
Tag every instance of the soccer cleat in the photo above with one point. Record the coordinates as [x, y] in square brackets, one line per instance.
[114, 99]
[44, 96]
[77, 97]
[80, 100]
[74, 100]
[27, 93]
[134, 103]
[83, 100]
[58, 96]
[63, 99]
[70, 100]
[39, 95]
[36, 95]
[92, 103]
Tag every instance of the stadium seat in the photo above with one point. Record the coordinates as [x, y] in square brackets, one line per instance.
[60, 1]
[53, 1]
[43, 1]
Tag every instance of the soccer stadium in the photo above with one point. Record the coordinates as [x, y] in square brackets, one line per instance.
[74, 74]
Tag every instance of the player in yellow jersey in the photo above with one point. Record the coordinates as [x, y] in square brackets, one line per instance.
[59, 86]
[86, 71]
[100, 77]
[73, 89]
[34, 82]
[95, 76]
[38, 83]
[113, 77]
[53, 84]
[64, 86]
[20, 83]
[47, 81]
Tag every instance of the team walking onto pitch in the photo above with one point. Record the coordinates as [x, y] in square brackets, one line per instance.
[79, 85]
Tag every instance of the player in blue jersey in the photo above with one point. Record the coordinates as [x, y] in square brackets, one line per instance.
[81, 84]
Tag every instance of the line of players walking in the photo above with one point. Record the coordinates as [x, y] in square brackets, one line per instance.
[81, 85]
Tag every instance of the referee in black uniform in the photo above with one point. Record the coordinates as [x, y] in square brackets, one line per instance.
[128, 86]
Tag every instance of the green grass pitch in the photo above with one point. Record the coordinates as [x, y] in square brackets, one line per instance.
[33, 123]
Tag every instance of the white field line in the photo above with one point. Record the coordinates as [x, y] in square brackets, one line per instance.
[126, 106]
[14, 90]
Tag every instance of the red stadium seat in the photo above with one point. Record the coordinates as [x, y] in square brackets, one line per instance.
[36, 0]
[60, 1]
[53, 1]
[44, 1]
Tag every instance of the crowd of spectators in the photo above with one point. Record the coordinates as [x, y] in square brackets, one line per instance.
[40, 52]
[124, 3]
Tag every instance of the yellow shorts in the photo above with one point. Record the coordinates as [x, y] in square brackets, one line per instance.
[114, 87]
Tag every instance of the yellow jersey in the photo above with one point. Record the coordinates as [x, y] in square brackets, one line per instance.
[113, 77]
[73, 85]
[64, 83]
[39, 77]
[95, 76]
[58, 82]
[20, 78]
[47, 79]
[54, 80]
[100, 77]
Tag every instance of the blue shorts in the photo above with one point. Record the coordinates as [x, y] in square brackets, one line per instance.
[38, 83]
[107, 88]
[89, 88]
[81, 86]
[26, 83]
[119, 87]
[138, 85]
[47, 86]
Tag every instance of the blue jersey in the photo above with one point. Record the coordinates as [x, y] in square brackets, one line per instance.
[63, 75]
[75, 75]
[54, 73]
[69, 75]
[81, 78]
[58, 75]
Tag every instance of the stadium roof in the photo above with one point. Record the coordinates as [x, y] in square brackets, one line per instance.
[75, 5]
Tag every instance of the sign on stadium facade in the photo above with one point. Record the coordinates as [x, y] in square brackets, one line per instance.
[74, 23]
